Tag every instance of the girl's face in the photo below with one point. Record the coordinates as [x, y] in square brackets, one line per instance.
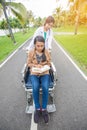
[39, 46]
[48, 26]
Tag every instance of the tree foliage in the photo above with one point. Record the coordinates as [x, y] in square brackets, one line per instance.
[76, 15]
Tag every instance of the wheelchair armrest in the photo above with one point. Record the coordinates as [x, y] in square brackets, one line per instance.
[53, 67]
[23, 70]
[54, 72]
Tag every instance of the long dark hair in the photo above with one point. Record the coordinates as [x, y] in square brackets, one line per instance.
[40, 39]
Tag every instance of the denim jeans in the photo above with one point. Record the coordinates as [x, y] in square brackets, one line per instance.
[44, 82]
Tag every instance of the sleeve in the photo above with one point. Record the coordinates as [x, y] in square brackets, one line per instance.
[50, 39]
[48, 58]
[31, 45]
[29, 59]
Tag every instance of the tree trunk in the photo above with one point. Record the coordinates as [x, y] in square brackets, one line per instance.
[9, 27]
[76, 24]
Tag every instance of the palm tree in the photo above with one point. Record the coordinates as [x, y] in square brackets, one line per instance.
[0, 10]
[56, 14]
[78, 5]
[38, 22]
[19, 11]
[9, 27]
[30, 17]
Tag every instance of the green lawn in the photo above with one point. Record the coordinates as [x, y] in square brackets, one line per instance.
[64, 29]
[76, 47]
[81, 29]
[6, 45]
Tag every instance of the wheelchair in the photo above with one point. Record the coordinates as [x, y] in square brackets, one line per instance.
[28, 89]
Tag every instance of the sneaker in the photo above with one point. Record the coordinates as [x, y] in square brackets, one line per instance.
[45, 116]
[37, 114]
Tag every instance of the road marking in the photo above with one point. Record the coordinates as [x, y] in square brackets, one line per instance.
[33, 125]
[80, 71]
[8, 58]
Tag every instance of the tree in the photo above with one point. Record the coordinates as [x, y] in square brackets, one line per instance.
[10, 30]
[38, 22]
[79, 6]
[57, 13]
[30, 17]
[0, 10]
[18, 10]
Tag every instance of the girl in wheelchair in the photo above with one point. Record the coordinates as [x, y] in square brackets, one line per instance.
[38, 58]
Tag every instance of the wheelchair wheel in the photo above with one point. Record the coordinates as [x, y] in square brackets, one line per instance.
[29, 100]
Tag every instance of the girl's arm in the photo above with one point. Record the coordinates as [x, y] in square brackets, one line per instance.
[50, 40]
[29, 59]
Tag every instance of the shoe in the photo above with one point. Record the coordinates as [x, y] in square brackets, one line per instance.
[37, 114]
[45, 116]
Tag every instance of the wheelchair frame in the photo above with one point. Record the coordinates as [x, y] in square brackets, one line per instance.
[30, 107]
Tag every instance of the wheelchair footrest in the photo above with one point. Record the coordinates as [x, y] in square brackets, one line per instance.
[29, 109]
[50, 108]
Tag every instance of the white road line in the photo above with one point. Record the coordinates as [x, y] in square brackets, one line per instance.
[33, 125]
[80, 71]
[8, 58]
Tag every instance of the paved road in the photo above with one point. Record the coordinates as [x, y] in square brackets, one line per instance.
[70, 96]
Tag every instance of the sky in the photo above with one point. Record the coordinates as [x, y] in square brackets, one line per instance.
[43, 8]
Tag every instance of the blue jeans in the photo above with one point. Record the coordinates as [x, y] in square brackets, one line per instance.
[37, 82]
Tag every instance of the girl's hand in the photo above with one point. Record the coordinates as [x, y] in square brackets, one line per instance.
[38, 66]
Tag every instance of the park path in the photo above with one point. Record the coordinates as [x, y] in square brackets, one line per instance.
[70, 95]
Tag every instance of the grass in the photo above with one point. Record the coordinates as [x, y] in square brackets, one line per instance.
[81, 29]
[64, 29]
[6, 45]
[76, 46]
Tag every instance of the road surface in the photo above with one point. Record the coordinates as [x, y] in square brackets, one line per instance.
[70, 95]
